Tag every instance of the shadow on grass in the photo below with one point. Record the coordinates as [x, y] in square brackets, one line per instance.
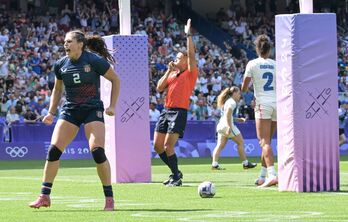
[205, 160]
[196, 183]
[340, 191]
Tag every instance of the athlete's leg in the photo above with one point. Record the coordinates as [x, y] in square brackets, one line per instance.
[220, 145]
[238, 139]
[169, 145]
[158, 144]
[64, 132]
[240, 143]
[160, 135]
[95, 134]
[264, 129]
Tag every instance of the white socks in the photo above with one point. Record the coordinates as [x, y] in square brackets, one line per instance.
[263, 172]
[271, 171]
[245, 162]
[215, 164]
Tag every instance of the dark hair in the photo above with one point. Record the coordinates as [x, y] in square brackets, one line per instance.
[94, 43]
[263, 45]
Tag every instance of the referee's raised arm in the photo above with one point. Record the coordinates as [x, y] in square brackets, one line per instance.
[191, 59]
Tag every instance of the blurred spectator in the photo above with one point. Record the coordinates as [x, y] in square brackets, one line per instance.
[39, 106]
[211, 97]
[216, 81]
[201, 110]
[12, 116]
[215, 112]
[12, 101]
[3, 106]
[30, 116]
[154, 113]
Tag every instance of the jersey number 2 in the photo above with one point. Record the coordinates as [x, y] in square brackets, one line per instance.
[269, 77]
[76, 78]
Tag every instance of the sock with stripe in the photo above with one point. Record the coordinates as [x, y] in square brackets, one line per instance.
[46, 188]
[108, 191]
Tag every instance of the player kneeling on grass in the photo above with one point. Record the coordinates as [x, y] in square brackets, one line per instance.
[227, 101]
[79, 71]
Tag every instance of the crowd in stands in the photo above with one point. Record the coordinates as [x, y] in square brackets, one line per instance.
[244, 27]
[30, 44]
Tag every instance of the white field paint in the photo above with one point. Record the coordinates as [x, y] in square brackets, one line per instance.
[219, 216]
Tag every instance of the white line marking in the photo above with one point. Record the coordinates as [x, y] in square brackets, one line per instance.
[199, 216]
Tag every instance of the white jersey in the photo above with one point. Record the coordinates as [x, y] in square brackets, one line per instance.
[229, 104]
[221, 127]
[262, 73]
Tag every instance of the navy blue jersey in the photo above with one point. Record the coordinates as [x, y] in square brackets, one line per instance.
[81, 79]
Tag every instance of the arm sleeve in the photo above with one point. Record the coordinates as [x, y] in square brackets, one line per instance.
[100, 65]
[248, 70]
[57, 71]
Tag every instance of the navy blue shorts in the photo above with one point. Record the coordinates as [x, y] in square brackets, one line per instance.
[172, 120]
[79, 116]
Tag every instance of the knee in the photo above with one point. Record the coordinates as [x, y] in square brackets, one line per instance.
[240, 142]
[167, 146]
[157, 146]
[220, 146]
[53, 153]
[264, 143]
[98, 154]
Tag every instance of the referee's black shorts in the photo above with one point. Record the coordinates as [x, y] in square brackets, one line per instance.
[172, 120]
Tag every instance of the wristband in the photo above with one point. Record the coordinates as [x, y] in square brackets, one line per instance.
[51, 113]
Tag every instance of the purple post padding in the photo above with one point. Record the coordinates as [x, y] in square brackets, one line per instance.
[307, 99]
[127, 136]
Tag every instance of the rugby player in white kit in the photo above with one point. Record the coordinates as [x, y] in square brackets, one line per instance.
[262, 73]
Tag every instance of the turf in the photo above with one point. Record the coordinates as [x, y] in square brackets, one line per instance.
[77, 196]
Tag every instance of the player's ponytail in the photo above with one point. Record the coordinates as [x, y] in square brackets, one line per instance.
[225, 95]
[96, 44]
[93, 43]
[263, 45]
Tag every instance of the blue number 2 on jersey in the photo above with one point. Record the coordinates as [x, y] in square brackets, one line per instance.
[269, 77]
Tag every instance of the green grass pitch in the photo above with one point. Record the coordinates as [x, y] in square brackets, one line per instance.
[77, 196]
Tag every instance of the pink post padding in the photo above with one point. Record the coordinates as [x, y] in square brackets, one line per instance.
[128, 133]
[307, 102]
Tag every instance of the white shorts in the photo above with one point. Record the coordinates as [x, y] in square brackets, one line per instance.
[266, 111]
[221, 129]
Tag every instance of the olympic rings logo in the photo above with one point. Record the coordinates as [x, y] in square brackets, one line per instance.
[16, 151]
[248, 147]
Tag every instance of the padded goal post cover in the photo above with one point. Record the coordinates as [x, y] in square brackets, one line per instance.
[307, 102]
[127, 135]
